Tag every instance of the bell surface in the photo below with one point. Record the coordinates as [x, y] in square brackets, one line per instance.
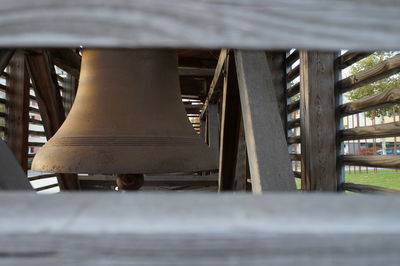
[128, 117]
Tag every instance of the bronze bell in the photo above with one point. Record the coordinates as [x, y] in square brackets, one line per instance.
[128, 117]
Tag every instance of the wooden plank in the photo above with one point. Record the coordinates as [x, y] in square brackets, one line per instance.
[384, 161]
[241, 167]
[213, 128]
[269, 161]
[215, 83]
[371, 102]
[293, 57]
[48, 97]
[276, 62]
[195, 72]
[5, 57]
[377, 72]
[18, 114]
[230, 126]
[349, 58]
[292, 74]
[293, 90]
[294, 106]
[293, 140]
[363, 188]
[204, 24]
[12, 176]
[221, 230]
[369, 132]
[293, 123]
[318, 125]
[68, 60]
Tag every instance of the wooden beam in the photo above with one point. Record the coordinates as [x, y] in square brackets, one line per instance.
[384, 161]
[276, 61]
[349, 58]
[365, 104]
[5, 57]
[377, 72]
[68, 60]
[230, 125]
[12, 176]
[369, 132]
[213, 128]
[318, 124]
[215, 83]
[51, 109]
[203, 24]
[88, 229]
[18, 113]
[270, 166]
[241, 168]
[195, 72]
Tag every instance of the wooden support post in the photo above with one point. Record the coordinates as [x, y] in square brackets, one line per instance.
[241, 167]
[230, 124]
[18, 112]
[5, 57]
[213, 128]
[270, 165]
[276, 62]
[318, 124]
[49, 100]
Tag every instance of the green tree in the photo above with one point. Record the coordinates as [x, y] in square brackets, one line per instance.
[375, 87]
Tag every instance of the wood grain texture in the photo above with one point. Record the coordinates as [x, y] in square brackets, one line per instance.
[371, 102]
[363, 188]
[349, 58]
[5, 56]
[230, 126]
[318, 128]
[213, 128]
[262, 24]
[96, 229]
[377, 72]
[216, 82]
[369, 132]
[269, 161]
[384, 161]
[18, 113]
[42, 73]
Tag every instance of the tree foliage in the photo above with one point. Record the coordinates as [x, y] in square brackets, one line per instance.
[376, 87]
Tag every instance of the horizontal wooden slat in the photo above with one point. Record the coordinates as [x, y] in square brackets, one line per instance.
[39, 177]
[37, 133]
[234, 23]
[295, 156]
[293, 140]
[349, 58]
[292, 74]
[3, 101]
[196, 229]
[363, 188]
[3, 88]
[293, 90]
[297, 174]
[293, 106]
[3, 128]
[369, 132]
[293, 123]
[35, 121]
[371, 102]
[377, 72]
[384, 161]
[293, 57]
[3, 115]
[35, 144]
[46, 187]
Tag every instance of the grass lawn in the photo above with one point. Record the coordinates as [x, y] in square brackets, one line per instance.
[383, 178]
